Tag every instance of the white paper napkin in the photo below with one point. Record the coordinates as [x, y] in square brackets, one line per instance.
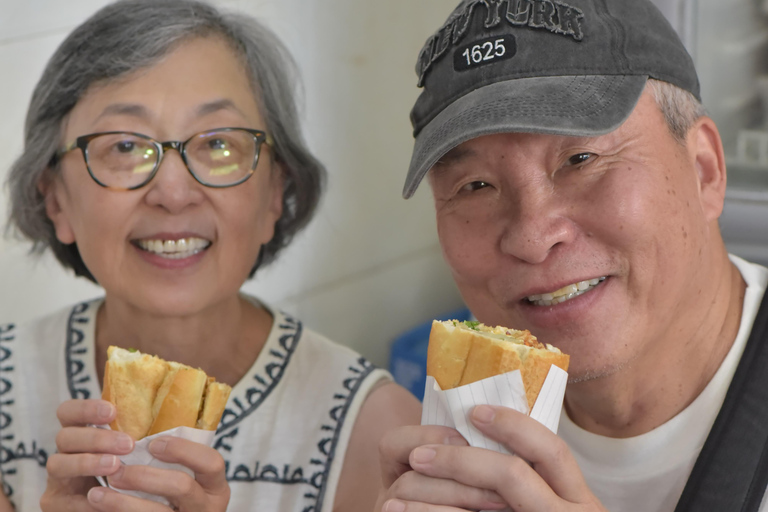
[141, 455]
[451, 407]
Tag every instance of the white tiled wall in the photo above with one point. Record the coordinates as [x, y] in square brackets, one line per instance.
[369, 265]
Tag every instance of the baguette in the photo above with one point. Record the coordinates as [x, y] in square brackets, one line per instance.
[152, 395]
[461, 353]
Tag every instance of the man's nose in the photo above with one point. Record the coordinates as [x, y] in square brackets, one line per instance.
[536, 224]
[173, 187]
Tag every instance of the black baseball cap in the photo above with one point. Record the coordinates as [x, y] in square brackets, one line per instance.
[539, 66]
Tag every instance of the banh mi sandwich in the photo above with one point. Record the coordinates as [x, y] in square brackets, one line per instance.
[461, 353]
[152, 395]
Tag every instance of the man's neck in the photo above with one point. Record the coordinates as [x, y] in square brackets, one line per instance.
[652, 390]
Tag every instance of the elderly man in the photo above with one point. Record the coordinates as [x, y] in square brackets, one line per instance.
[577, 186]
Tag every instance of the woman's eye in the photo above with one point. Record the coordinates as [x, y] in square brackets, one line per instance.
[125, 146]
[475, 185]
[580, 158]
[217, 144]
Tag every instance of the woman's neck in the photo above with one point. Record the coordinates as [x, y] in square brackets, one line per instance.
[224, 340]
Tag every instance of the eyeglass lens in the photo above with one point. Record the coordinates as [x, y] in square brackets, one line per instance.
[218, 158]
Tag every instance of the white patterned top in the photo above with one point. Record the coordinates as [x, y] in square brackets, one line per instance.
[283, 435]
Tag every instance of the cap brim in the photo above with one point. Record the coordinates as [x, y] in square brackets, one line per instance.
[581, 106]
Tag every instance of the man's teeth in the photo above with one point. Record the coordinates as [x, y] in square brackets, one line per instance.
[175, 249]
[565, 293]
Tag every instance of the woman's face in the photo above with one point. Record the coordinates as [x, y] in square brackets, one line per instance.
[173, 247]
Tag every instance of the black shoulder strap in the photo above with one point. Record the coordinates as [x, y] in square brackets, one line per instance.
[731, 471]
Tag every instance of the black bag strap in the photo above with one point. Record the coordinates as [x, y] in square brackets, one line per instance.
[731, 472]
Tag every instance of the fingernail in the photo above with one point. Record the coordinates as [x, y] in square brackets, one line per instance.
[107, 461]
[96, 494]
[483, 414]
[394, 506]
[455, 441]
[104, 411]
[158, 446]
[423, 455]
[124, 443]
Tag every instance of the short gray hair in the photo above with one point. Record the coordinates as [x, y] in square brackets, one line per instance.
[128, 35]
[681, 109]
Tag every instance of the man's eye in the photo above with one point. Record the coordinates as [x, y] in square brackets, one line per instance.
[580, 158]
[475, 185]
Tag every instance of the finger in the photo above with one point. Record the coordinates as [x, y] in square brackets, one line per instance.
[177, 486]
[550, 456]
[509, 475]
[63, 466]
[396, 446]
[411, 506]
[102, 498]
[85, 412]
[416, 487]
[93, 440]
[205, 462]
[62, 496]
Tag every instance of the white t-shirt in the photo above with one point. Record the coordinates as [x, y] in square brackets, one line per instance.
[283, 435]
[648, 472]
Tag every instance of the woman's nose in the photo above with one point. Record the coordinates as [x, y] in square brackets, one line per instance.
[173, 187]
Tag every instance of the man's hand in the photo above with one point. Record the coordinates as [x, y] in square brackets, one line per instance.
[439, 477]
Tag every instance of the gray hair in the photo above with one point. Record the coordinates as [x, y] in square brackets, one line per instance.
[129, 35]
[680, 108]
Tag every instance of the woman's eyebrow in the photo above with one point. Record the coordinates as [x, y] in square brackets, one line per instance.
[215, 106]
[131, 109]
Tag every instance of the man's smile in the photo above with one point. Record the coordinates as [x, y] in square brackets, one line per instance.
[565, 293]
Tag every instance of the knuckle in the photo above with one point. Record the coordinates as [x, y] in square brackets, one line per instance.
[514, 468]
[46, 501]
[217, 464]
[559, 452]
[184, 485]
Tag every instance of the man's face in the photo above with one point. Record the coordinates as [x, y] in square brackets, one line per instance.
[618, 218]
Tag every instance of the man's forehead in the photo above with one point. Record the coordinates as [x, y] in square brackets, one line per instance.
[471, 148]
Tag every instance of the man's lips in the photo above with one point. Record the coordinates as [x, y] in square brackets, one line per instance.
[565, 293]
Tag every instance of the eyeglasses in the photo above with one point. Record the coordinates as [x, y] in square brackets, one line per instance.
[218, 158]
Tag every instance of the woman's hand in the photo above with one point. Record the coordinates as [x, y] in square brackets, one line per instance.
[85, 452]
[443, 477]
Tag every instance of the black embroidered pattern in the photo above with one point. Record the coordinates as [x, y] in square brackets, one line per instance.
[7, 456]
[284, 474]
[256, 395]
[76, 352]
[327, 445]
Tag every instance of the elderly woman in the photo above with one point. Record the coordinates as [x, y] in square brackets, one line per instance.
[164, 162]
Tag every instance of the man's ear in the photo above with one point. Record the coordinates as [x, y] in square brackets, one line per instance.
[50, 188]
[707, 151]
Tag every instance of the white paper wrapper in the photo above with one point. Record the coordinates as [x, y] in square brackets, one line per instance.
[141, 455]
[451, 407]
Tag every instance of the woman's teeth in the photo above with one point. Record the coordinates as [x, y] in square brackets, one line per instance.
[565, 293]
[175, 249]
